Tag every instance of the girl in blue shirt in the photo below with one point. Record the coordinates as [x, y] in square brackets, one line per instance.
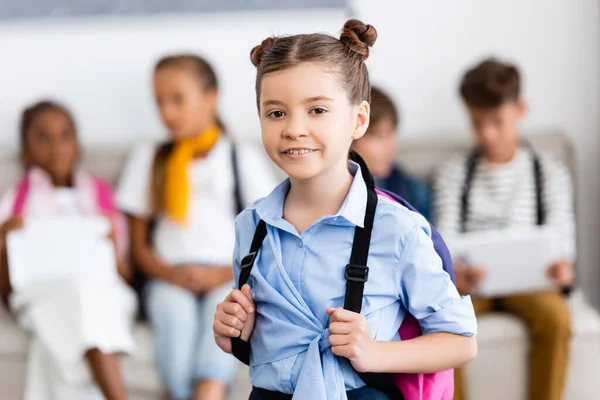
[313, 95]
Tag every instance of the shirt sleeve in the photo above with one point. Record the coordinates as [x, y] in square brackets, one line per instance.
[133, 190]
[427, 291]
[558, 195]
[257, 174]
[447, 195]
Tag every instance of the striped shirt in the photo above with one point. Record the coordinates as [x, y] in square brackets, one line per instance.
[504, 197]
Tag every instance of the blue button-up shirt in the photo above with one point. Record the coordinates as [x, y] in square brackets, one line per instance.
[297, 276]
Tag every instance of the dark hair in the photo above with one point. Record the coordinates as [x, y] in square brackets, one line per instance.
[346, 54]
[31, 113]
[207, 78]
[490, 84]
[382, 107]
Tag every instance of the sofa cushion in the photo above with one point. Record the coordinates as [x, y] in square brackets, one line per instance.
[500, 328]
[13, 340]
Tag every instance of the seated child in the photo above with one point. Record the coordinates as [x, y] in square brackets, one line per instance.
[181, 197]
[73, 322]
[379, 149]
[504, 184]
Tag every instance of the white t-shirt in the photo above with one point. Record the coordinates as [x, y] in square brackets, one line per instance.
[67, 202]
[208, 237]
[64, 199]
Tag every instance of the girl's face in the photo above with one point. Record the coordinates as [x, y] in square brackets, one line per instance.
[51, 144]
[185, 107]
[378, 147]
[307, 121]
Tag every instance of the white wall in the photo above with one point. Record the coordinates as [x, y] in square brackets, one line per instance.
[424, 47]
[101, 67]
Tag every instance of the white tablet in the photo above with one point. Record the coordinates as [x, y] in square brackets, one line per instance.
[515, 261]
[56, 248]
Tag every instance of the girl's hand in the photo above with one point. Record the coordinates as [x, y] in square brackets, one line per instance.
[195, 278]
[561, 271]
[234, 318]
[350, 338]
[14, 223]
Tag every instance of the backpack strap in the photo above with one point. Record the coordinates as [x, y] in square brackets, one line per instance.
[22, 191]
[239, 347]
[247, 262]
[466, 189]
[539, 189]
[104, 196]
[237, 192]
[357, 274]
[470, 172]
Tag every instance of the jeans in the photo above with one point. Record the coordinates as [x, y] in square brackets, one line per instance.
[184, 344]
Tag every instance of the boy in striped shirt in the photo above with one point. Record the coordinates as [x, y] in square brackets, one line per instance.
[502, 184]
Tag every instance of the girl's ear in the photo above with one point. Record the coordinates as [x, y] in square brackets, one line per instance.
[80, 153]
[24, 157]
[363, 114]
[212, 99]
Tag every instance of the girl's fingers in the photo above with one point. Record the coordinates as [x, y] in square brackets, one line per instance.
[235, 310]
[341, 315]
[221, 329]
[240, 298]
[340, 328]
[248, 293]
[339, 340]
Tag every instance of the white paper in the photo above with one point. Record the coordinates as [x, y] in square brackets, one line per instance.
[514, 261]
[59, 248]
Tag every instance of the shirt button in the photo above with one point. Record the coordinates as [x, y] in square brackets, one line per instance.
[300, 244]
[335, 218]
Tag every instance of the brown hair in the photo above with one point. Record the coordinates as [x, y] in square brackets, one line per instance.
[31, 113]
[490, 84]
[207, 78]
[382, 107]
[346, 54]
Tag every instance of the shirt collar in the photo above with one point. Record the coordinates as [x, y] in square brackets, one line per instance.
[352, 210]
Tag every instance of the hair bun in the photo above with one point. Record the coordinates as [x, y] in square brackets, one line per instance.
[259, 51]
[358, 36]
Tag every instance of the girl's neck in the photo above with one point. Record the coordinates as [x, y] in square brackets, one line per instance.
[57, 181]
[311, 199]
[62, 182]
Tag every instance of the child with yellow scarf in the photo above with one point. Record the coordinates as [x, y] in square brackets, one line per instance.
[181, 198]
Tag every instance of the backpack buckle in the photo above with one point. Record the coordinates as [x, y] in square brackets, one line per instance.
[248, 261]
[357, 273]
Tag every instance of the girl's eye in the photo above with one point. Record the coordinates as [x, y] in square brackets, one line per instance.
[318, 110]
[275, 114]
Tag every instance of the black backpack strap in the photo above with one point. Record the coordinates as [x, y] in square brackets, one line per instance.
[357, 274]
[237, 191]
[240, 348]
[466, 189]
[539, 189]
[247, 262]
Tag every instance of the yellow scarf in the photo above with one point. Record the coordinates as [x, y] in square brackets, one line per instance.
[177, 183]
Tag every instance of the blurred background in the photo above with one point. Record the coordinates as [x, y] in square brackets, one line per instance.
[97, 58]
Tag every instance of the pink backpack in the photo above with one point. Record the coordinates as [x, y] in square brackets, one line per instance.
[104, 198]
[103, 204]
